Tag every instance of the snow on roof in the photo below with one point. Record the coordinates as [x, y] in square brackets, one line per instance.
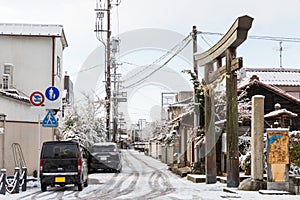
[178, 118]
[183, 103]
[277, 113]
[14, 96]
[276, 76]
[254, 80]
[33, 30]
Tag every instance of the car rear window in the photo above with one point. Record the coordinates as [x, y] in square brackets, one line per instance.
[59, 151]
[104, 148]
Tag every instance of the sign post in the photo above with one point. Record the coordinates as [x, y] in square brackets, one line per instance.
[49, 120]
[52, 93]
[37, 99]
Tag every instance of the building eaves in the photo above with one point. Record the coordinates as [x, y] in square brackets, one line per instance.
[46, 30]
[182, 103]
[14, 96]
[254, 81]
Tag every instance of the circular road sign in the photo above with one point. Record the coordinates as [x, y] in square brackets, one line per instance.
[52, 93]
[37, 98]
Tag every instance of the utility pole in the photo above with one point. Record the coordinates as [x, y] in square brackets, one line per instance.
[108, 86]
[196, 82]
[99, 29]
[115, 50]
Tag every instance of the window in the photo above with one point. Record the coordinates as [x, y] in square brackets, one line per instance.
[7, 69]
[58, 67]
[5, 81]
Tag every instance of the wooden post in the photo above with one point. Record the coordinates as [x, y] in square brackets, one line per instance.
[233, 178]
[210, 140]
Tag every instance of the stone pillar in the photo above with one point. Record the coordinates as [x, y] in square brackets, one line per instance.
[256, 181]
[257, 138]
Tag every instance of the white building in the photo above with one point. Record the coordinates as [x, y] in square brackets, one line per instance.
[30, 60]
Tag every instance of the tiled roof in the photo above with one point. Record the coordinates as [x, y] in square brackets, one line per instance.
[275, 76]
[254, 80]
[33, 30]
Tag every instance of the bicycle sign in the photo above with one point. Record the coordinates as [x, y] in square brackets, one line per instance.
[37, 98]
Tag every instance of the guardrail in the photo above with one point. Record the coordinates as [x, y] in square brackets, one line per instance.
[13, 184]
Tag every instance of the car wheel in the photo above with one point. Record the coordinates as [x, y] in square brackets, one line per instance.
[43, 187]
[85, 184]
[80, 187]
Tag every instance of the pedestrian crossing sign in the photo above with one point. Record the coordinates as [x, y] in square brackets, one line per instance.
[49, 120]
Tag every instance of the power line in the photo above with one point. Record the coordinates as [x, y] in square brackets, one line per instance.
[258, 37]
[143, 79]
[174, 49]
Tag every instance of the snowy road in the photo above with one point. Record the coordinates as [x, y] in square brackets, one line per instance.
[142, 177]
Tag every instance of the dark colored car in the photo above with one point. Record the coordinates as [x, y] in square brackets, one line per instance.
[63, 163]
[105, 156]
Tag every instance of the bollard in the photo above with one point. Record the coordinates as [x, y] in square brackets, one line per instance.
[24, 178]
[2, 181]
[297, 185]
[17, 179]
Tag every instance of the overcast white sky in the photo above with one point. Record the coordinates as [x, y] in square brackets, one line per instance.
[271, 18]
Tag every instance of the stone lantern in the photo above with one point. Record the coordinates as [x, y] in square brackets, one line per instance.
[280, 117]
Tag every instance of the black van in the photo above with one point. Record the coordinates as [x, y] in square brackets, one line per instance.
[62, 163]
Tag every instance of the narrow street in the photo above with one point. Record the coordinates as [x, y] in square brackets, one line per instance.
[142, 177]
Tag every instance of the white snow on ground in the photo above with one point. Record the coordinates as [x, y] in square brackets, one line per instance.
[183, 188]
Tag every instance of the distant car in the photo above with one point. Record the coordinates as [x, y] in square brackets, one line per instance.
[63, 163]
[105, 156]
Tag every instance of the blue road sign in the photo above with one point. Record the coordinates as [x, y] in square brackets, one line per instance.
[52, 93]
[49, 120]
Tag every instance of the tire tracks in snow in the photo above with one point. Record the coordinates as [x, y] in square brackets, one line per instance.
[158, 181]
[114, 189]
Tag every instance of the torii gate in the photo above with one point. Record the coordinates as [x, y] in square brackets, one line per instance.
[226, 47]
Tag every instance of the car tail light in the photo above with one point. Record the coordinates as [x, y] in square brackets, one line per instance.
[41, 166]
[79, 162]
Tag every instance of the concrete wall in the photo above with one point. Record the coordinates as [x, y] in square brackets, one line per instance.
[26, 134]
[170, 154]
[17, 110]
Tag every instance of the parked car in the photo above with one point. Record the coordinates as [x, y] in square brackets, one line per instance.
[62, 163]
[105, 156]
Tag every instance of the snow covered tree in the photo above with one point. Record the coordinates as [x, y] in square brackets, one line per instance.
[84, 122]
